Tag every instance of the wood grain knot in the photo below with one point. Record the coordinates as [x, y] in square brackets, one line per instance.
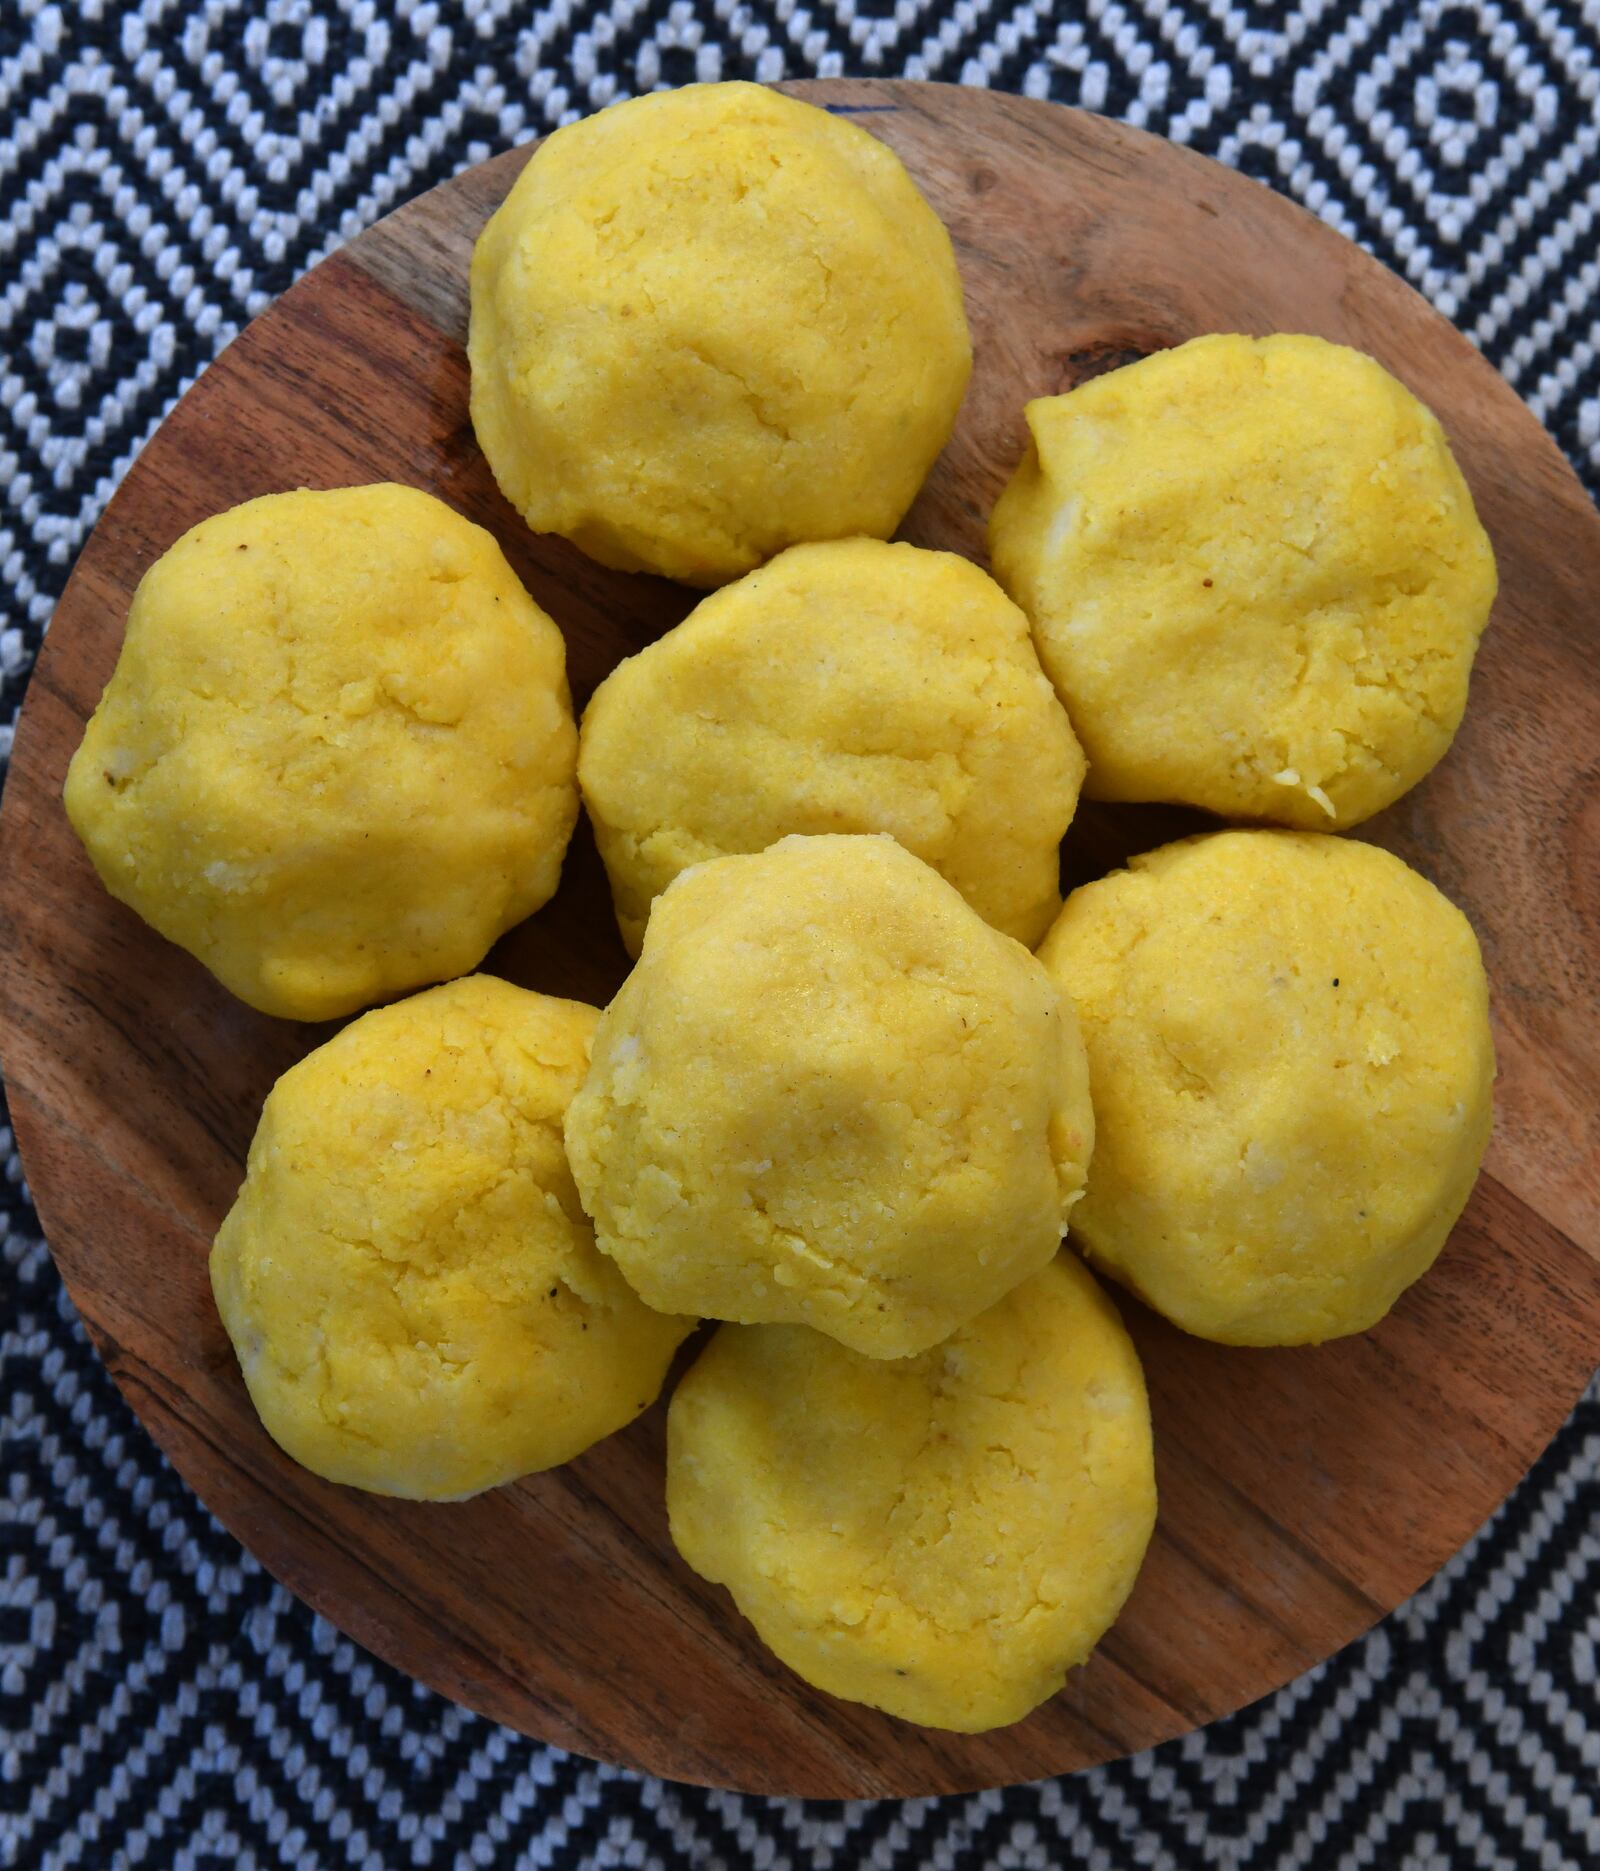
[1102, 354]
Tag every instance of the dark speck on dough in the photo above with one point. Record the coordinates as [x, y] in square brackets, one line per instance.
[1335, 980]
[1206, 582]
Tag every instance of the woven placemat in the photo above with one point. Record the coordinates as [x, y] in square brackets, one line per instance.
[165, 170]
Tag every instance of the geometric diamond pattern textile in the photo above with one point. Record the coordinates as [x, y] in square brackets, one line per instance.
[166, 169]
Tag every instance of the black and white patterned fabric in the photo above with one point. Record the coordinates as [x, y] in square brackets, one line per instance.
[166, 168]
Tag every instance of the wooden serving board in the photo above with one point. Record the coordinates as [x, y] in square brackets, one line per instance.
[1303, 1493]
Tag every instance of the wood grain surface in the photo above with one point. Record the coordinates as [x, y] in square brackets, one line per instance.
[1303, 1493]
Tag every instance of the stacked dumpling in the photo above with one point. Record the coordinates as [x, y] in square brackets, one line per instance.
[830, 1094]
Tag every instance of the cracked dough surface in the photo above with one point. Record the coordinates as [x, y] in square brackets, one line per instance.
[942, 1537]
[708, 323]
[336, 759]
[409, 1282]
[1255, 576]
[831, 1094]
[847, 687]
[1292, 1067]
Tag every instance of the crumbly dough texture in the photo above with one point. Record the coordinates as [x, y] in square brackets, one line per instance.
[1255, 576]
[336, 759]
[1289, 1048]
[846, 687]
[942, 1537]
[409, 1282]
[831, 1094]
[709, 323]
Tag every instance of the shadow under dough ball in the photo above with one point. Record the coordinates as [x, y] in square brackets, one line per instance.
[709, 323]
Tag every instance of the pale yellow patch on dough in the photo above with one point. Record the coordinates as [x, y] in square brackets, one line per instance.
[942, 1537]
[1292, 1069]
[846, 687]
[831, 1094]
[1255, 576]
[409, 1282]
[709, 323]
[336, 759]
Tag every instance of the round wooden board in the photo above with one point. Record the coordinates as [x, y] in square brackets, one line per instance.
[1303, 1493]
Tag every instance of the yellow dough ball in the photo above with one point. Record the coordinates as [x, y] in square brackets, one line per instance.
[831, 1094]
[1255, 576]
[408, 1280]
[1289, 1050]
[942, 1537]
[846, 687]
[709, 323]
[336, 759]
